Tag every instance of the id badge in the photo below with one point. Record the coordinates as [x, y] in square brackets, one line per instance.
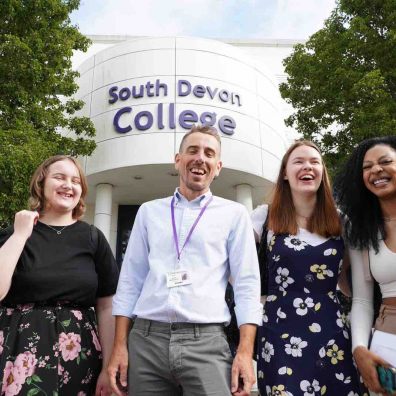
[177, 278]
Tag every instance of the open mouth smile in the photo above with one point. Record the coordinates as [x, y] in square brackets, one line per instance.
[306, 177]
[65, 195]
[198, 171]
[381, 182]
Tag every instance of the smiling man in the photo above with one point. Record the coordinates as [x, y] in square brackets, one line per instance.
[182, 251]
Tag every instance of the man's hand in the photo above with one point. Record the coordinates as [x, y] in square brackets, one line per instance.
[242, 374]
[118, 365]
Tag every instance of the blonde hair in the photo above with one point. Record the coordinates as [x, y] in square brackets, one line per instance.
[37, 199]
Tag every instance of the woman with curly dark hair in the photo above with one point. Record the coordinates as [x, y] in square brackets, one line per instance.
[366, 194]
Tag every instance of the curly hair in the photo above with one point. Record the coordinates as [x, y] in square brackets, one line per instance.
[363, 215]
[37, 200]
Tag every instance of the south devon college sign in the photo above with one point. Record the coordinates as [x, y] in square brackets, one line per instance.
[126, 119]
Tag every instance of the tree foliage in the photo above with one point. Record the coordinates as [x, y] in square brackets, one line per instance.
[342, 81]
[37, 82]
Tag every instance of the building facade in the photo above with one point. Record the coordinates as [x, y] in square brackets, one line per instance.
[143, 94]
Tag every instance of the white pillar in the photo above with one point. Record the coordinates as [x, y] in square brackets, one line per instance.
[244, 195]
[103, 206]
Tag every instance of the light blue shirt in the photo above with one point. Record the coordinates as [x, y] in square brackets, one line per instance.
[221, 247]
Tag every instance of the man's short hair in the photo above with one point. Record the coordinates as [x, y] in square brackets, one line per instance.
[206, 129]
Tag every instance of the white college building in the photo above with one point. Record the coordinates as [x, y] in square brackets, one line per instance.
[143, 94]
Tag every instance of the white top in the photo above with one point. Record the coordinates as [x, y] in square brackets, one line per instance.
[383, 269]
[221, 247]
[258, 217]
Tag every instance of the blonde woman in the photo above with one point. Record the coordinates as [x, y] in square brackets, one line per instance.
[57, 276]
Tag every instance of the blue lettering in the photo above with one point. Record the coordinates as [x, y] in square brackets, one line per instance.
[224, 95]
[125, 93]
[141, 91]
[180, 90]
[148, 124]
[160, 113]
[172, 116]
[116, 120]
[235, 96]
[227, 125]
[199, 91]
[204, 118]
[148, 89]
[159, 85]
[112, 93]
[187, 119]
[212, 93]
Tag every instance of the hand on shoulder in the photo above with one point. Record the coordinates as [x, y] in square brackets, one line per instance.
[24, 222]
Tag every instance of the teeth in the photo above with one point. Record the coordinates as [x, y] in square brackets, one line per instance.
[197, 170]
[306, 177]
[378, 181]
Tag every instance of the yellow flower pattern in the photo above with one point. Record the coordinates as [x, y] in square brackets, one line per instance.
[321, 271]
[335, 354]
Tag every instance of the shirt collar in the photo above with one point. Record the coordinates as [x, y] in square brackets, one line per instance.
[199, 201]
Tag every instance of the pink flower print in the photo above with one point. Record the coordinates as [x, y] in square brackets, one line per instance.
[1, 341]
[12, 380]
[69, 345]
[77, 314]
[96, 341]
[25, 307]
[9, 311]
[66, 377]
[26, 362]
[81, 393]
[60, 369]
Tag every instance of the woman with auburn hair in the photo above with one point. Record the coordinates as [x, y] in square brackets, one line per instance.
[366, 194]
[57, 276]
[304, 346]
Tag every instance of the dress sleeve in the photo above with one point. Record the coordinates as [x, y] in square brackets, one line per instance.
[106, 267]
[362, 313]
[258, 217]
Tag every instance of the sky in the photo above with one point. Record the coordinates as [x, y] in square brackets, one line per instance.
[223, 19]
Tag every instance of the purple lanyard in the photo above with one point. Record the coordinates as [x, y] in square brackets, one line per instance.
[175, 237]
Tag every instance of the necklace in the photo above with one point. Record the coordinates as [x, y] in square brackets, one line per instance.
[57, 231]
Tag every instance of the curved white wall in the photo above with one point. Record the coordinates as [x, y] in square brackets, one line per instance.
[257, 144]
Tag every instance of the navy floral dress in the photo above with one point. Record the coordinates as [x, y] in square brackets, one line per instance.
[304, 343]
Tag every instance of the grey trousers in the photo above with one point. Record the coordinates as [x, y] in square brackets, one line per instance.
[178, 359]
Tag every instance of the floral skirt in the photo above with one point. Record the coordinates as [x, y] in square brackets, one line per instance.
[48, 350]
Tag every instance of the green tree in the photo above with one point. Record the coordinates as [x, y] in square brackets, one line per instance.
[38, 116]
[342, 81]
